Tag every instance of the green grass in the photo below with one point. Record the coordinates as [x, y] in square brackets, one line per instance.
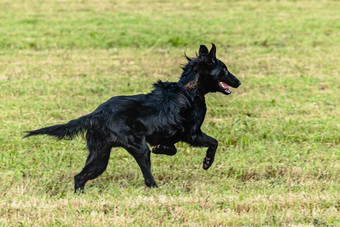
[278, 161]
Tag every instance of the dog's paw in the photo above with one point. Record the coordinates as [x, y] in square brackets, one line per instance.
[154, 185]
[151, 184]
[207, 163]
[79, 191]
[157, 149]
[167, 150]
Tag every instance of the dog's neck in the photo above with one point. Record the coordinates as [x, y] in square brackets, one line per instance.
[192, 86]
[190, 78]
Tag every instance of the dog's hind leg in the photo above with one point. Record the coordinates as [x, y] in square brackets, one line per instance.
[164, 149]
[141, 153]
[96, 164]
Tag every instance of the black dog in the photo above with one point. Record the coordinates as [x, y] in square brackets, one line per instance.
[172, 112]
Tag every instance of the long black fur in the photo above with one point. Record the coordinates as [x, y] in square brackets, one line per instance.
[63, 131]
[171, 112]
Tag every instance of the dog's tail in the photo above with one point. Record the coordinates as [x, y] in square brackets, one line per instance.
[63, 131]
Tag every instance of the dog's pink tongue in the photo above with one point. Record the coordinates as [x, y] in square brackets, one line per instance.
[224, 86]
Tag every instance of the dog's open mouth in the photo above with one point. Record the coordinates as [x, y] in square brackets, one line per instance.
[225, 87]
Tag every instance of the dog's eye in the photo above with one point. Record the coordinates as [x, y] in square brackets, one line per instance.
[225, 70]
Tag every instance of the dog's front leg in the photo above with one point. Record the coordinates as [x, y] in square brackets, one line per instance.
[200, 139]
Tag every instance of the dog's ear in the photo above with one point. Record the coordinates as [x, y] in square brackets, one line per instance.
[203, 50]
[212, 54]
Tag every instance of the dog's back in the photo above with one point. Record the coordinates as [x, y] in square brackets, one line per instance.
[160, 111]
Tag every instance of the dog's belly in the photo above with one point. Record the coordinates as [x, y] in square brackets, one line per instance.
[158, 139]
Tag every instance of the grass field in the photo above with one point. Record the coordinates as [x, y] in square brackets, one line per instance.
[278, 161]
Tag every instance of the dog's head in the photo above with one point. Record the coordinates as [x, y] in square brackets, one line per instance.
[213, 73]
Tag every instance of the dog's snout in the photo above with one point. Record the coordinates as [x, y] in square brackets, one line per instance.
[239, 83]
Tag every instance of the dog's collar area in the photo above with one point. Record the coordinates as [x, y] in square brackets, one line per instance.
[190, 85]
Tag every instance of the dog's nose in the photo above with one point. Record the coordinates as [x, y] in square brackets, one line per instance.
[238, 84]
